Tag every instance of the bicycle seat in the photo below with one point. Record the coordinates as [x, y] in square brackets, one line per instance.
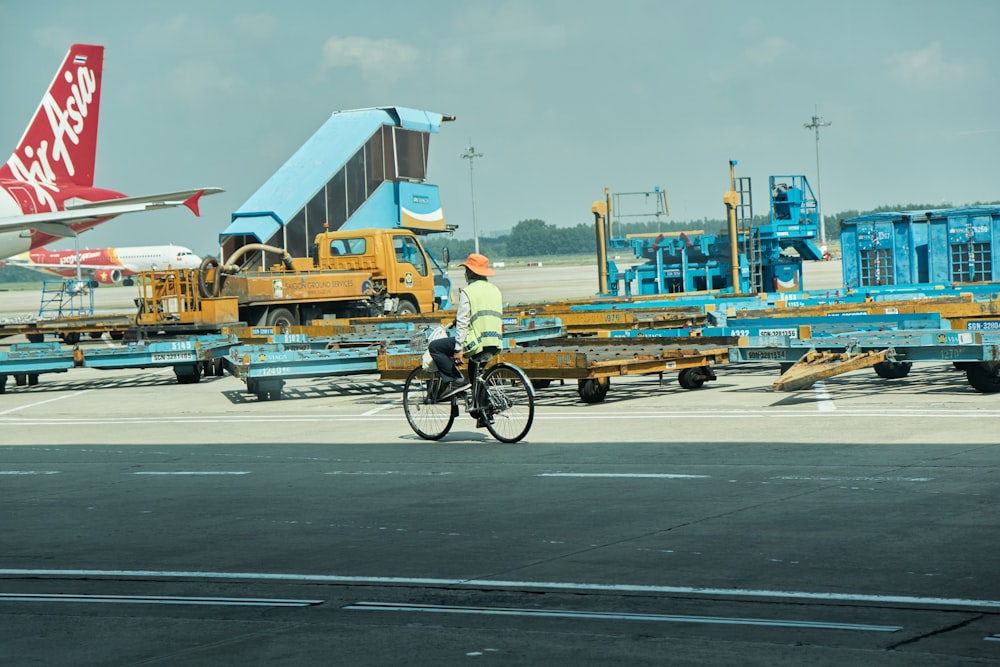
[484, 356]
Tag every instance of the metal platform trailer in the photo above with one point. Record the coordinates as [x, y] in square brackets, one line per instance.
[744, 258]
[190, 358]
[941, 246]
[265, 367]
[891, 354]
[593, 362]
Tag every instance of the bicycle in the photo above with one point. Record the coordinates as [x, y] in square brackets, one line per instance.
[500, 398]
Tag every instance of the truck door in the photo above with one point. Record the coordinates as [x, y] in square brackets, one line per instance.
[413, 275]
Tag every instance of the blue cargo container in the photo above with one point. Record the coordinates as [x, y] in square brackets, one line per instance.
[941, 246]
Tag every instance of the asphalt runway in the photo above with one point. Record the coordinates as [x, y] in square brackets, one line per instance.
[147, 522]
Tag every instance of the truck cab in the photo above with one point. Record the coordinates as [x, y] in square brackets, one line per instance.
[405, 278]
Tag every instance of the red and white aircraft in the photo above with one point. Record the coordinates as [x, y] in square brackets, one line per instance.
[108, 266]
[47, 186]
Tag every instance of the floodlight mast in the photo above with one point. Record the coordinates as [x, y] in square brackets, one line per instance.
[818, 122]
[470, 154]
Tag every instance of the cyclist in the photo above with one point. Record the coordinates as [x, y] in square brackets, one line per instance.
[478, 326]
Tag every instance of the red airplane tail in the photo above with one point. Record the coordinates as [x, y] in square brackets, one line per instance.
[60, 145]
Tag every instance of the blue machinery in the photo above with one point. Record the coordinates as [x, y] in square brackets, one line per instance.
[744, 258]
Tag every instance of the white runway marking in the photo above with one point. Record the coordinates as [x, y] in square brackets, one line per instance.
[49, 400]
[543, 415]
[597, 615]
[30, 472]
[516, 585]
[824, 402]
[158, 599]
[613, 474]
[194, 472]
[380, 408]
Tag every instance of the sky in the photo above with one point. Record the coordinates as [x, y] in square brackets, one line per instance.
[561, 98]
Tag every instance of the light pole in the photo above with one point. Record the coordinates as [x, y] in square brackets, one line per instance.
[818, 122]
[470, 154]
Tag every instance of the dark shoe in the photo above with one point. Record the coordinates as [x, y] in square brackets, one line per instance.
[452, 388]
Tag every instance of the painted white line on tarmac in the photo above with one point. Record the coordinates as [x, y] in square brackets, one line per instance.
[796, 478]
[540, 415]
[380, 408]
[823, 401]
[515, 585]
[48, 400]
[611, 616]
[30, 472]
[627, 474]
[157, 599]
[194, 472]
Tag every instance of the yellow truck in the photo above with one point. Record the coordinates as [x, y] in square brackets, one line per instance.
[358, 273]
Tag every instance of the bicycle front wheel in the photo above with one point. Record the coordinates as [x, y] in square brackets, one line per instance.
[510, 402]
[428, 418]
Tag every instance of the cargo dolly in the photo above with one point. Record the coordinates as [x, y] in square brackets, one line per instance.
[189, 357]
[890, 353]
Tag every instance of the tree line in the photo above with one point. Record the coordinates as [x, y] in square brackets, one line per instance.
[536, 238]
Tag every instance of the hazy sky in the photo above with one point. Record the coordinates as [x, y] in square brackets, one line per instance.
[563, 98]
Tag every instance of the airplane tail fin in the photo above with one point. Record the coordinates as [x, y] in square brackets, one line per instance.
[60, 144]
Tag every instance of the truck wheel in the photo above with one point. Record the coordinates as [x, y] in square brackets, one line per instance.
[406, 307]
[282, 318]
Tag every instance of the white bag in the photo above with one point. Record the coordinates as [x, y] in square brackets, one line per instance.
[428, 361]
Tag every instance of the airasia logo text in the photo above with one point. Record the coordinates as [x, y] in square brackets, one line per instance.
[67, 123]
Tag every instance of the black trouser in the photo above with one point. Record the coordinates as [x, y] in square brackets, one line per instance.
[443, 353]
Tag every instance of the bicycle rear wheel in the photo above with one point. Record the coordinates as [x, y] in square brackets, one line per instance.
[510, 402]
[428, 418]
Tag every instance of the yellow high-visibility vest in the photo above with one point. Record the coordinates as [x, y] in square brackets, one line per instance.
[486, 327]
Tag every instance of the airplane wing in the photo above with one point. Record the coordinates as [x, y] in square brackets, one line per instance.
[57, 223]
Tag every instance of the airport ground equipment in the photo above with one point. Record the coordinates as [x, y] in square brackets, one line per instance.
[500, 398]
[890, 353]
[362, 169]
[593, 362]
[941, 246]
[349, 274]
[71, 329]
[190, 357]
[744, 258]
[265, 367]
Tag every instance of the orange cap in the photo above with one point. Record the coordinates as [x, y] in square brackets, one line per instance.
[478, 264]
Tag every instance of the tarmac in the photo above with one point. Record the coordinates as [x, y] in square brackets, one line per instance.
[147, 522]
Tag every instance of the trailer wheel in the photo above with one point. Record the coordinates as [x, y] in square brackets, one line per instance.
[189, 375]
[593, 390]
[691, 378]
[281, 318]
[541, 384]
[3, 384]
[20, 379]
[893, 370]
[71, 338]
[984, 377]
[35, 337]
